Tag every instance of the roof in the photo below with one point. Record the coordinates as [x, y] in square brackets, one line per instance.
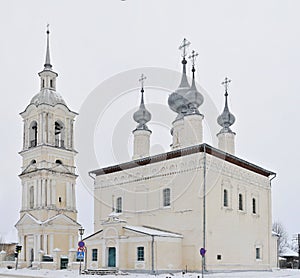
[287, 252]
[202, 148]
[47, 96]
[90, 236]
[38, 222]
[152, 231]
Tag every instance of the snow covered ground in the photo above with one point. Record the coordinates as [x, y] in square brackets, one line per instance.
[68, 274]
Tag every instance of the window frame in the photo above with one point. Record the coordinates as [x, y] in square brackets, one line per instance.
[166, 197]
[254, 205]
[258, 255]
[31, 197]
[225, 198]
[240, 202]
[140, 253]
[94, 254]
[119, 205]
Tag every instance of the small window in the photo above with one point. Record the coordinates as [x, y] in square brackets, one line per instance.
[257, 253]
[33, 161]
[51, 83]
[94, 255]
[241, 202]
[140, 253]
[254, 206]
[31, 197]
[59, 199]
[219, 257]
[225, 196]
[57, 161]
[119, 205]
[166, 197]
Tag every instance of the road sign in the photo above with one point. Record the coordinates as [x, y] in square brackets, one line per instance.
[202, 252]
[81, 244]
[80, 255]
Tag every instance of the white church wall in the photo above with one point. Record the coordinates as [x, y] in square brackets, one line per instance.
[231, 233]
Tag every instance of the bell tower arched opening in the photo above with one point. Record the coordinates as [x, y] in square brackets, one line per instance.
[59, 134]
[33, 130]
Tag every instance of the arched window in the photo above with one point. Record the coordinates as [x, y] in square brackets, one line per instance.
[240, 201]
[253, 205]
[33, 161]
[31, 197]
[225, 198]
[167, 197]
[59, 134]
[51, 83]
[57, 161]
[119, 205]
[33, 134]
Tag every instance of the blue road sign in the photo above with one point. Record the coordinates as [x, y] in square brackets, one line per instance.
[80, 255]
[81, 244]
[202, 252]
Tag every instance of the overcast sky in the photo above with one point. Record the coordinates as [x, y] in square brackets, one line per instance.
[255, 43]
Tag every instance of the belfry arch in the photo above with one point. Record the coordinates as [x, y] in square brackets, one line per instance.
[33, 132]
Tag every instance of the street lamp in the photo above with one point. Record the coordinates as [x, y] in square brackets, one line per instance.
[81, 232]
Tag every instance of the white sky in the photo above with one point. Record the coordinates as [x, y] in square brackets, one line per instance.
[255, 43]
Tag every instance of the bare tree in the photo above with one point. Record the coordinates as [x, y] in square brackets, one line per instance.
[278, 228]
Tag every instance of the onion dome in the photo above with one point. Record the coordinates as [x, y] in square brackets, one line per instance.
[226, 119]
[47, 96]
[177, 101]
[193, 96]
[142, 115]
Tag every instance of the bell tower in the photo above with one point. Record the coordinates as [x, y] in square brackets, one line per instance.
[48, 215]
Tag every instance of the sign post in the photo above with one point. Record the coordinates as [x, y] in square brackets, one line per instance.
[80, 254]
[202, 253]
[18, 251]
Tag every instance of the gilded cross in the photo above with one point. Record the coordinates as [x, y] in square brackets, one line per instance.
[183, 46]
[142, 79]
[193, 57]
[225, 83]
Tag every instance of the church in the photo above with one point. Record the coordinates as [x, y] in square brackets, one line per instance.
[48, 228]
[154, 213]
[151, 214]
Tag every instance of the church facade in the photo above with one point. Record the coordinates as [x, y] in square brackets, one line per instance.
[48, 228]
[154, 213]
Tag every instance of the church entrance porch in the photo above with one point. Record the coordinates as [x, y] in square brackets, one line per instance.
[111, 257]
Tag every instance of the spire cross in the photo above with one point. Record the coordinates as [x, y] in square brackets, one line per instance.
[225, 83]
[141, 80]
[183, 46]
[193, 57]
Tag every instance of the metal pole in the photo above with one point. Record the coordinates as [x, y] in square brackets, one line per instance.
[17, 261]
[85, 258]
[204, 207]
[298, 251]
[80, 259]
[202, 267]
[152, 254]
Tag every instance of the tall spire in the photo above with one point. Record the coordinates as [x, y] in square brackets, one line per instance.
[226, 119]
[184, 82]
[47, 65]
[142, 116]
[176, 100]
[194, 97]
